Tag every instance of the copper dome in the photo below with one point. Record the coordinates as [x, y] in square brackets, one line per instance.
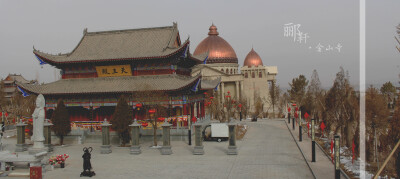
[252, 59]
[219, 51]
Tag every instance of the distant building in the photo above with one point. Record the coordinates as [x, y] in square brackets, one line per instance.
[108, 64]
[10, 88]
[252, 80]
[221, 62]
[256, 79]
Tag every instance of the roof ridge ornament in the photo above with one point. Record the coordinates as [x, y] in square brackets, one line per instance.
[213, 30]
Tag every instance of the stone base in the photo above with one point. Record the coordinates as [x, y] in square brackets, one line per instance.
[20, 148]
[198, 150]
[49, 147]
[232, 150]
[105, 149]
[166, 150]
[33, 151]
[135, 150]
[87, 174]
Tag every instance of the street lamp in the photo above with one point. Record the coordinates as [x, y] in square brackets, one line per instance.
[91, 116]
[337, 157]
[228, 105]
[240, 111]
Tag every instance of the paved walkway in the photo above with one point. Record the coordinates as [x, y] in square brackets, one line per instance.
[267, 151]
[322, 167]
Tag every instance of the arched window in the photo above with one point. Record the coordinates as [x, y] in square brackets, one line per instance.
[253, 75]
[222, 70]
[231, 71]
[260, 74]
[227, 71]
[246, 75]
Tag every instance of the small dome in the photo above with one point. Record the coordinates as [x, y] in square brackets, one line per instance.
[219, 51]
[252, 59]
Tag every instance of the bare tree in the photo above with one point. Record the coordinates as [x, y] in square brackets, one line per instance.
[341, 104]
[376, 114]
[3, 100]
[152, 100]
[274, 93]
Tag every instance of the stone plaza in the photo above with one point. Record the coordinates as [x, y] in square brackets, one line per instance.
[266, 151]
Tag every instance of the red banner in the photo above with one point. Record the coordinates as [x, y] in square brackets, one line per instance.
[35, 172]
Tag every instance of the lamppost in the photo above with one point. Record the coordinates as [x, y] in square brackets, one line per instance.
[240, 111]
[337, 157]
[228, 105]
[313, 140]
[91, 116]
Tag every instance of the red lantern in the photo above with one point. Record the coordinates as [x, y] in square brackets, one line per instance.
[211, 97]
[209, 102]
[161, 119]
[229, 92]
[6, 114]
[240, 105]
[152, 111]
[293, 104]
[205, 93]
[26, 130]
[145, 124]
[30, 120]
[138, 106]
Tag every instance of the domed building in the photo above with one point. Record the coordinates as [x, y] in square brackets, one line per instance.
[256, 79]
[221, 62]
[252, 81]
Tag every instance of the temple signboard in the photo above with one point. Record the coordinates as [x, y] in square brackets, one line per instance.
[114, 70]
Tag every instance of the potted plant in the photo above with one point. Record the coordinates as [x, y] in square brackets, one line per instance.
[61, 159]
[52, 161]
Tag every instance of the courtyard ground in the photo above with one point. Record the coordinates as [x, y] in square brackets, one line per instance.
[266, 151]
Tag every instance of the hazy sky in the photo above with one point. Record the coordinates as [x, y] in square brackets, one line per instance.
[57, 26]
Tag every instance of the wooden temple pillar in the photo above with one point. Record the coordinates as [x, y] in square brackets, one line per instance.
[198, 109]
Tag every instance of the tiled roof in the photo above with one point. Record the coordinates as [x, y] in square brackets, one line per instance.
[210, 84]
[130, 44]
[19, 78]
[112, 84]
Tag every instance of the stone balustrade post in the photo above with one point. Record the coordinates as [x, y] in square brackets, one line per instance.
[105, 130]
[166, 148]
[20, 136]
[198, 147]
[47, 135]
[135, 147]
[232, 149]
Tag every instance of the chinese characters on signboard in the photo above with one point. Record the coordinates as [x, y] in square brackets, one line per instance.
[292, 30]
[115, 70]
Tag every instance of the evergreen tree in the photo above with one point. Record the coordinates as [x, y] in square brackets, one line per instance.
[61, 122]
[298, 90]
[121, 120]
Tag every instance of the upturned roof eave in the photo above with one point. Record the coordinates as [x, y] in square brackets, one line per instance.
[26, 87]
[54, 62]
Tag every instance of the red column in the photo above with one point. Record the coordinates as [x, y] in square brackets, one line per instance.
[191, 110]
[184, 109]
[203, 110]
[198, 109]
